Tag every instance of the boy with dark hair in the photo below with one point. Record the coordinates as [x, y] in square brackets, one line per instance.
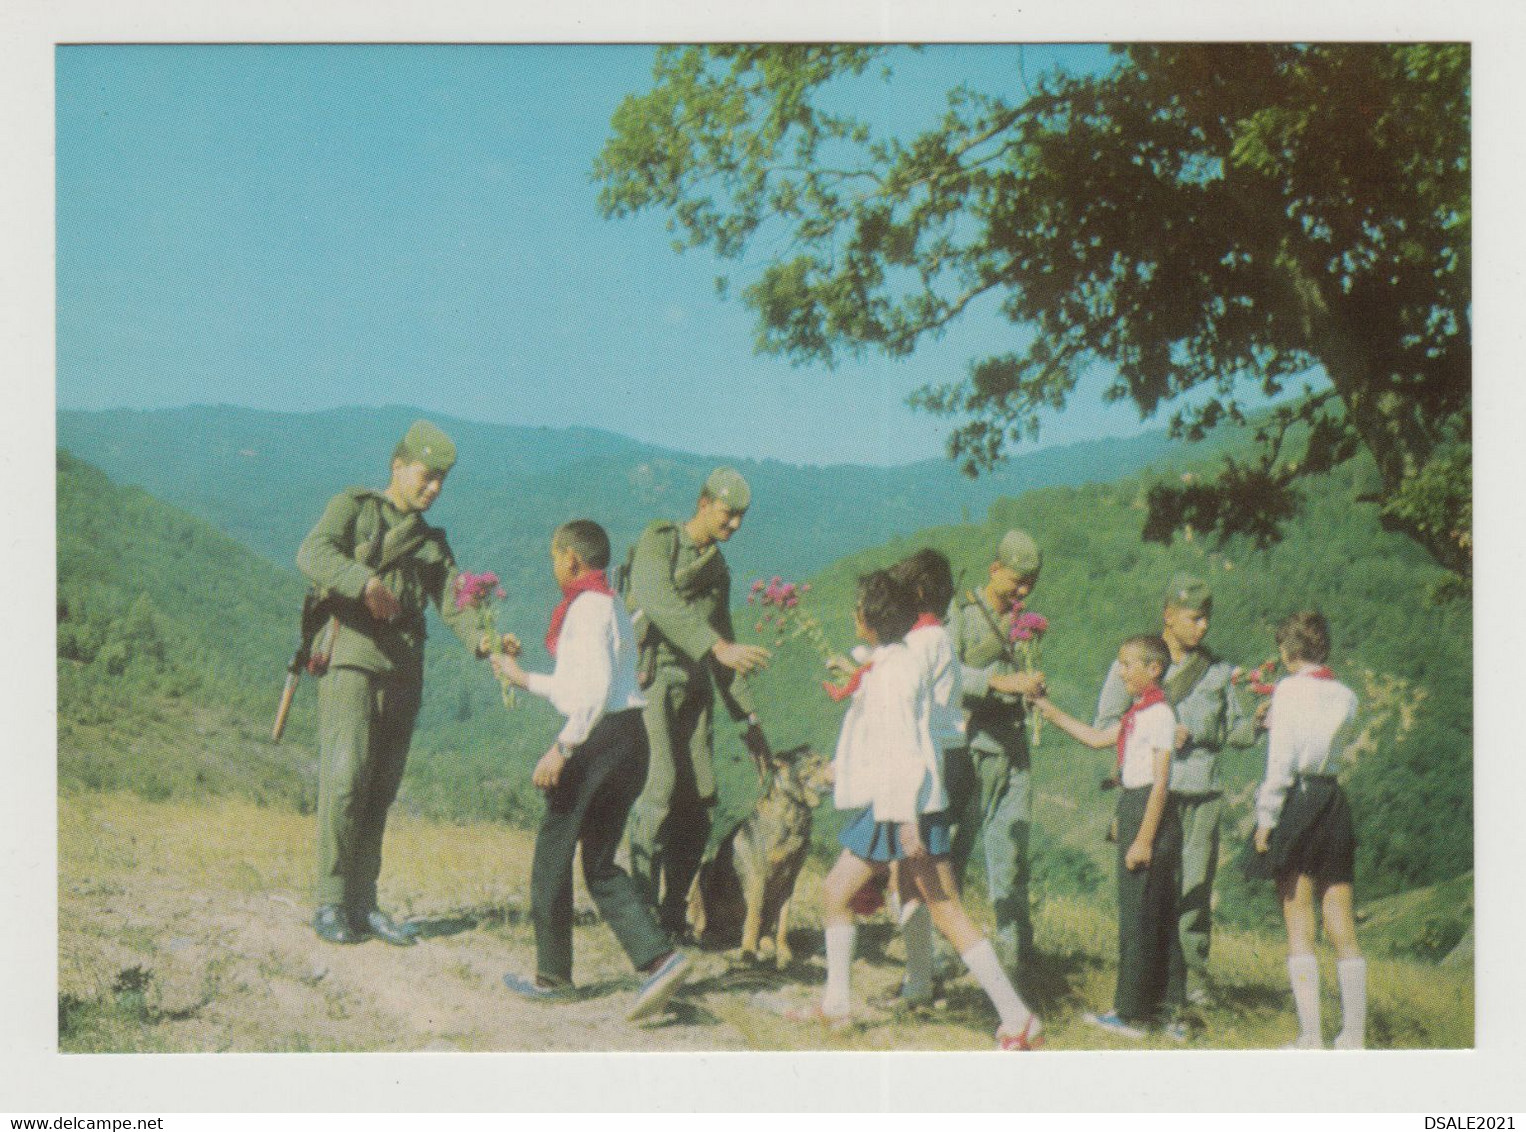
[1198, 686]
[591, 776]
[929, 579]
[1149, 840]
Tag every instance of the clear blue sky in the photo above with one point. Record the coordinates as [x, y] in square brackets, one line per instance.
[302, 227]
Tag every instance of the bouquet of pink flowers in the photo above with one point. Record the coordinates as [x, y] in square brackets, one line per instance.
[783, 616]
[480, 593]
[1028, 629]
[1262, 679]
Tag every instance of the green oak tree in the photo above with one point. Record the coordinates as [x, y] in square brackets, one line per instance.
[1206, 220]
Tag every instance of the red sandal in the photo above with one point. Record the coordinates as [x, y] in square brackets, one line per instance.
[1025, 1040]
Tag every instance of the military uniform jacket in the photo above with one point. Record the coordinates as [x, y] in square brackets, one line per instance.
[1209, 708]
[994, 722]
[680, 601]
[358, 529]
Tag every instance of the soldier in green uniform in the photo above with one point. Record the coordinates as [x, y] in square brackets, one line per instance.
[380, 564]
[680, 600]
[1209, 716]
[989, 782]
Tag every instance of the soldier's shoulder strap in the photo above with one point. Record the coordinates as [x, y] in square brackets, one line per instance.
[971, 598]
[1179, 686]
[623, 572]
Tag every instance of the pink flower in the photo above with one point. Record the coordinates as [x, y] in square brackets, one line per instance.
[1029, 626]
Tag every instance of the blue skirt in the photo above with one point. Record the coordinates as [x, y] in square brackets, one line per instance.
[881, 840]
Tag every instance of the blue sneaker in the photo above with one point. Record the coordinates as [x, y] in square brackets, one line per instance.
[659, 986]
[1112, 1024]
[537, 991]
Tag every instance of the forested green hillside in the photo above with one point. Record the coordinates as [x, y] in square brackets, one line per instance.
[1409, 660]
[264, 478]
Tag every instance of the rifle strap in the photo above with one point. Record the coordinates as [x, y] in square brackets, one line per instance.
[1002, 642]
[1180, 685]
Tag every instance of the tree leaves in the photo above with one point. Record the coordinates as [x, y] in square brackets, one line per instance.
[1201, 215]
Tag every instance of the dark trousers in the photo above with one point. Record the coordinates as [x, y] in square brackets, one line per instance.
[1151, 969]
[589, 807]
[365, 723]
[670, 825]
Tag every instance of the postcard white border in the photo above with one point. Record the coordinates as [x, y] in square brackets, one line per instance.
[39, 1080]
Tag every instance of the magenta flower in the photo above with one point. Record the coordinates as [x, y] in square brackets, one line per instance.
[1027, 626]
[475, 589]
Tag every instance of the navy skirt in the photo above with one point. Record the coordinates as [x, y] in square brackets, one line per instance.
[1314, 836]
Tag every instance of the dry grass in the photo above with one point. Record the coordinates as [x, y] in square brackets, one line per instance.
[184, 927]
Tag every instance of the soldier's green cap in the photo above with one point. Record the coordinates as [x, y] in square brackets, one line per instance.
[425, 443]
[1019, 552]
[1188, 592]
[727, 485]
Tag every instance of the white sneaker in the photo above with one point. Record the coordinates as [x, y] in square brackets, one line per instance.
[659, 987]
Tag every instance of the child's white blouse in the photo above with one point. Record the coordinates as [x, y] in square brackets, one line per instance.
[595, 666]
[885, 750]
[933, 649]
[1154, 730]
[1309, 725]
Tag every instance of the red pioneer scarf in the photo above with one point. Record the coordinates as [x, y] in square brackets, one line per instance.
[840, 692]
[926, 621]
[593, 581]
[1150, 696]
[1320, 673]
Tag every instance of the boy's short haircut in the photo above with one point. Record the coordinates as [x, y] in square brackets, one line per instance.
[930, 578]
[888, 607]
[1151, 648]
[1305, 636]
[586, 539]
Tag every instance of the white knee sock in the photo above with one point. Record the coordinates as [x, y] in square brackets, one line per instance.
[1303, 974]
[917, 931]
[983, 964]
[838, 997]
[1352, 976]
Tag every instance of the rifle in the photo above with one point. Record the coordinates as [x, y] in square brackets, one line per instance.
[317, 610]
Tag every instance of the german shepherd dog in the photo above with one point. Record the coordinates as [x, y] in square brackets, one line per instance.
[750, 880]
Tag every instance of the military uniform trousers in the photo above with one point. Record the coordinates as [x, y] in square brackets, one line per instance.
[1151, 975]
[991, 802]
[589, 806]
[1201, 817]
[670, 824]
[365, 723]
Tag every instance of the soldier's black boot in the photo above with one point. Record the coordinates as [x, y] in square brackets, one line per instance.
[384, 928]
[332, 923]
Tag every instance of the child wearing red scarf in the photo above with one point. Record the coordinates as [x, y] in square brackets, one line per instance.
[1305, 836]
[591, 777]
[1149, 842]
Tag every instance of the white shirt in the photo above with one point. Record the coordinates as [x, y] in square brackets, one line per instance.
[885, 751]
[1311, 722]
[595, 666]
[933, 649]
[1154, 729]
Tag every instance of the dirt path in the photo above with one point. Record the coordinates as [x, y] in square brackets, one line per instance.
[185, 928]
